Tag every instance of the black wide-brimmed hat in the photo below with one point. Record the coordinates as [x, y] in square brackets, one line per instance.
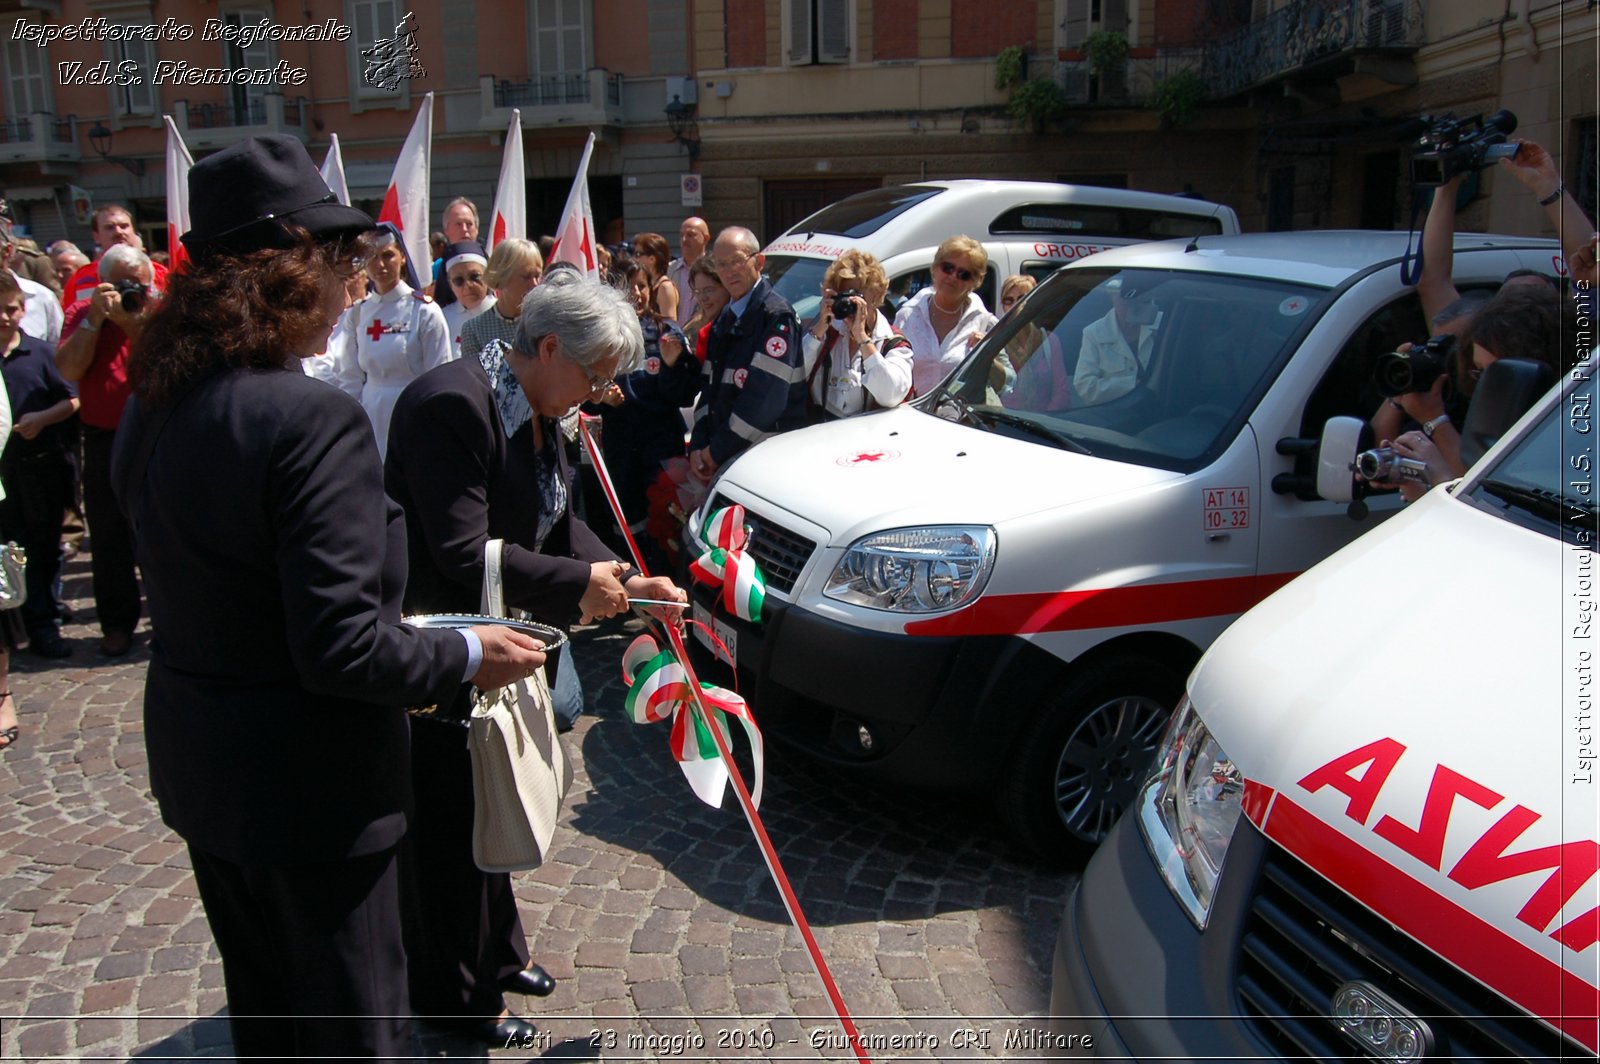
[245, 196]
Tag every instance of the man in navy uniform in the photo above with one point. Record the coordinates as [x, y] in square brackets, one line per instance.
[753, 382]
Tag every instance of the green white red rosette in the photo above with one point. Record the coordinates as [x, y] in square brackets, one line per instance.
[658, 689]
[727, 562]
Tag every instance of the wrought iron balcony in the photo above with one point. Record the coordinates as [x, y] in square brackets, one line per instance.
[593, 97]
[218, 123]
[39, 137]
[1132, 86]
[1306, 34]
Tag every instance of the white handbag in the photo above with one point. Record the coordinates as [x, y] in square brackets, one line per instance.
[520, 774]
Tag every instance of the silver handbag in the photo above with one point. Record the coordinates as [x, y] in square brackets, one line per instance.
[13, 569]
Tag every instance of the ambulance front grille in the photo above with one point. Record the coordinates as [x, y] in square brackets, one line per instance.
[1303, 938]
[779, 553]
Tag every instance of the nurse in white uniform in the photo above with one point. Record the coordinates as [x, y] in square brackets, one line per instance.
[392, 337]
[464, 267]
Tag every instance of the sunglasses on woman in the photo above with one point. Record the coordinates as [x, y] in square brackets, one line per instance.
[950, 269]
[462, 279]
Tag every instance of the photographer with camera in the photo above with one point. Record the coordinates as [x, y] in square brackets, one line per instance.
[1534, 167]
[95, 340]
[854, 359]
[1530, 322]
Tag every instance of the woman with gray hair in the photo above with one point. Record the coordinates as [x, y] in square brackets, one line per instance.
[476, 455]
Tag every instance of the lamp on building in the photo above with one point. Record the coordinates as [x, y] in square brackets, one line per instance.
[100, 141]
[680, 120]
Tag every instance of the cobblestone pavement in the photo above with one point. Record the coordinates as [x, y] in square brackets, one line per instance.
[656, 913]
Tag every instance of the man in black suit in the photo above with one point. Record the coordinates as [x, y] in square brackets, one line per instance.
[274, 568]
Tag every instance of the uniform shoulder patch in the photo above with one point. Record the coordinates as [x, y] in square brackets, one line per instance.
[777, 346]
[422, 297]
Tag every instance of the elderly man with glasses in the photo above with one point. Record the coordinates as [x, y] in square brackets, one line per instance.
[752, 384]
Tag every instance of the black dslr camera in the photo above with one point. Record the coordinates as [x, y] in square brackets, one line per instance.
[842, 307]
[133, 295]
[1404, 372]
[1454, 145]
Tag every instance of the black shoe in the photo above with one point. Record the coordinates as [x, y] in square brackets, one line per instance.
[49, 645]
[116, 643]
[513, 1032]
[531, 980]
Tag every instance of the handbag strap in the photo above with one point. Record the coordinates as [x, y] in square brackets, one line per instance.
[494, 591]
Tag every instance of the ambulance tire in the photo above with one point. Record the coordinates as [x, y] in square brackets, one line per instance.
[1084, 759]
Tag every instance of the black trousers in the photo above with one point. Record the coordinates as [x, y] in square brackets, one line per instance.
[116, 588]
[463, 931]
[38, 490]
[312, 956]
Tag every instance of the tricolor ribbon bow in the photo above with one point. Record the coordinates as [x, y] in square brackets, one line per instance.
[658, 689]
[726, 562]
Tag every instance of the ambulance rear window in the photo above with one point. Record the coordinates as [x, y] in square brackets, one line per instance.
[1068, 219]
[866, 212]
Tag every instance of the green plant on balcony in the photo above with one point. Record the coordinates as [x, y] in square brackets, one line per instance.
[1010, 67]
[1177, 98]
[1037, 103]
[1107, 51]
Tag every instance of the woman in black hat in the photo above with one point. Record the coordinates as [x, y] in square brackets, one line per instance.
[274, 569]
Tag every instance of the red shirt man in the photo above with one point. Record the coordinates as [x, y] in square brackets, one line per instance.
[111, 225]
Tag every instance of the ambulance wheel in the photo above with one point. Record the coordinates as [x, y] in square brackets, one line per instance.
[1087, 756]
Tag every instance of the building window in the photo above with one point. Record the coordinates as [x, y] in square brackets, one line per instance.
[372, 21]
[560, 38]
[818, 31]
[27, 69]
[139, 99]
[1079, 18]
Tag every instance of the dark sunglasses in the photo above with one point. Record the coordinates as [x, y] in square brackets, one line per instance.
[950, 269]
[466, 279]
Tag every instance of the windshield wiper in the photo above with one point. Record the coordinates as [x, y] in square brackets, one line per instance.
[964, 414]
[1006, 417]
[1540, 501]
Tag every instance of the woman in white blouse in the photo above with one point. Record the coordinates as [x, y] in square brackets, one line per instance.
[944, 320]
[854, 361]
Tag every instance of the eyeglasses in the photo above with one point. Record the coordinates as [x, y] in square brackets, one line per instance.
[701, 295]
[597, 383]
[1007, 301]
[463, 279]
[950, 269]
[730, 264]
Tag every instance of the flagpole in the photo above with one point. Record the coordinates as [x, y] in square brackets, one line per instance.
[769, 853]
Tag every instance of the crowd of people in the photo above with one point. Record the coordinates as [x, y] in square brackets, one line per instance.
[365, 425]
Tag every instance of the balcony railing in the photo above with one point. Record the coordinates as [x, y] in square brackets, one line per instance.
[218, 123]
[1132, 86]
[1305, 33]
[39, 129]
[593, 97]
[42, 138]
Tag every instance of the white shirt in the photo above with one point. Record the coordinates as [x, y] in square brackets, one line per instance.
[390, 341]
[457, 315]
[1107, 366]
[678, 270]
[42, 316]
[841, 387]
[936, 359]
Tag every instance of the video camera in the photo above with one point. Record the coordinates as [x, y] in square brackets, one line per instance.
[1404, 372]
[1454, 145]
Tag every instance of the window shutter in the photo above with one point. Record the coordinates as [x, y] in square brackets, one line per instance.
[833, 31]
[800, 35]
[1114, 15]
[1075, 23]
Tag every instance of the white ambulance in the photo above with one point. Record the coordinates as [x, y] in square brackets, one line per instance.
[1372, 830]
[1031, 227]
[1000, 592]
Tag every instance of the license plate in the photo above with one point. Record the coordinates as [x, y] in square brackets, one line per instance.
[724, 631]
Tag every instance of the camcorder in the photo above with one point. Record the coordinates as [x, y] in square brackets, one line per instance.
[133, 295]
[1404, 372]
[842, 307]
[1385, 463]
[1454, 146]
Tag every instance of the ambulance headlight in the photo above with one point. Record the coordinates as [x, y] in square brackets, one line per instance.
[1189, 809]
[915, 570]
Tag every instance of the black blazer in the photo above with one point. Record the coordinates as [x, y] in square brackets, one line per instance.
[462, 483]
[274, 568]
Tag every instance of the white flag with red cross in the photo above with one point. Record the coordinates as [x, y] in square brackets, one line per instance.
[406, 201]
[575, 235]
[510, 217]
[178, 162]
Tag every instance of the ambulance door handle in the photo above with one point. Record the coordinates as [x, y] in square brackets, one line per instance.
[1218, 537]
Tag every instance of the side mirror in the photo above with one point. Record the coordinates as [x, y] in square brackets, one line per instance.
[1506, 391]
[1341, 440]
